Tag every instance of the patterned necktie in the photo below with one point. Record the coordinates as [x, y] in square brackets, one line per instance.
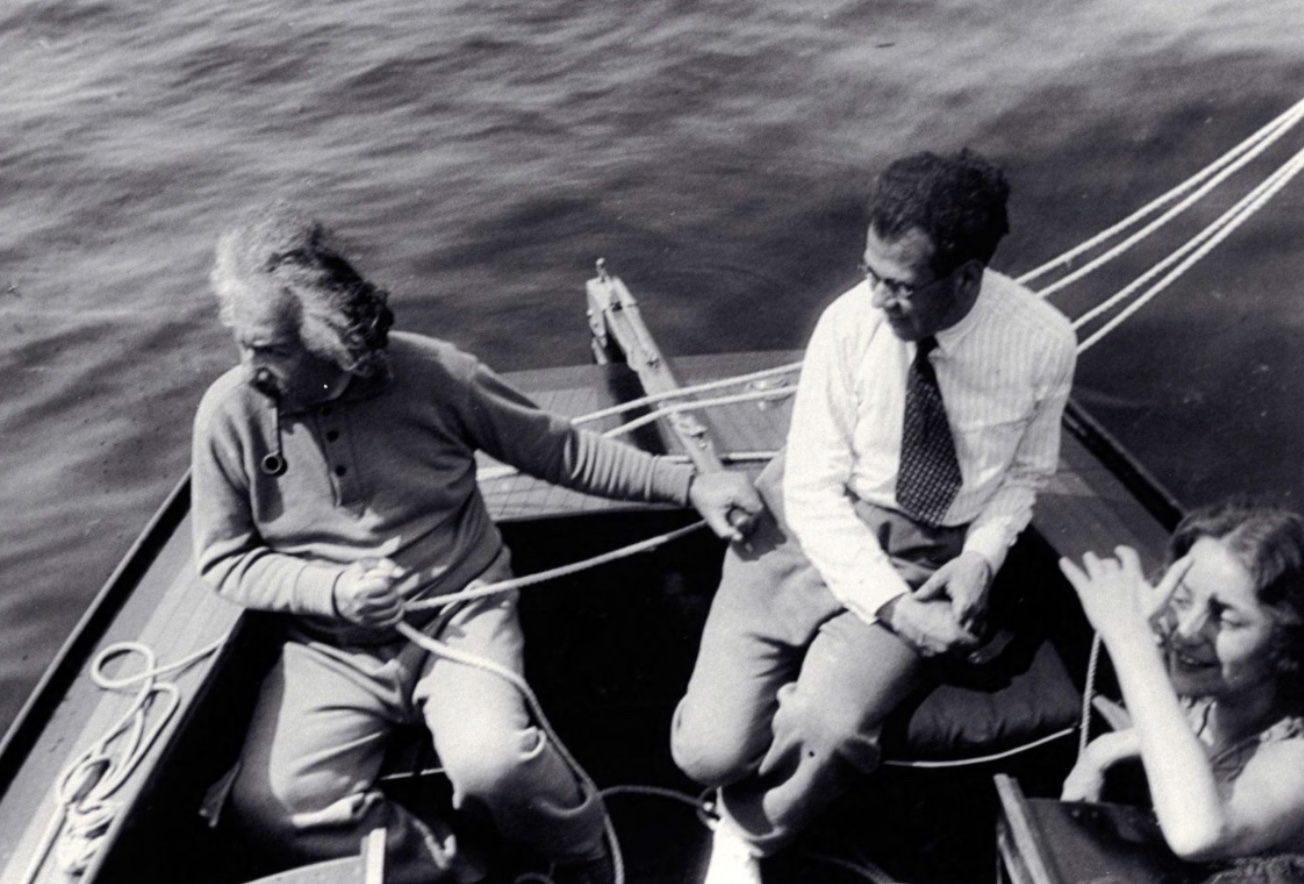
[929, 476]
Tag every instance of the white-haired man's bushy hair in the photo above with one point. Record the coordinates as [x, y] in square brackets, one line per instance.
[279, 252]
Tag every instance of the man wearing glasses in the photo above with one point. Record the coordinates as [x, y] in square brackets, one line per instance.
[926, 419]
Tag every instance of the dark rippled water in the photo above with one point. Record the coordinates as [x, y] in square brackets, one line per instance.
[479, 157]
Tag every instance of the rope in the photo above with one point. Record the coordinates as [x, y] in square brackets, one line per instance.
[981, 759]
[1199, 246]
[735, 381]
[502, 471]
[553, 573]
[1263, 138]
[85, 788]
[1088, 692]
[698, 405]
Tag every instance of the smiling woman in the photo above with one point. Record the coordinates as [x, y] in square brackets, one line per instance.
[1209, 664]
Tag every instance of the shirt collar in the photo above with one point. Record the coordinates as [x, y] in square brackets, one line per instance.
[948, 339]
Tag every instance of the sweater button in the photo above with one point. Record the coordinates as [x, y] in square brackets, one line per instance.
[332, 435]
[341, 471]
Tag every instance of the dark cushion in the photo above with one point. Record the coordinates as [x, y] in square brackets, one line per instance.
[1022, 696]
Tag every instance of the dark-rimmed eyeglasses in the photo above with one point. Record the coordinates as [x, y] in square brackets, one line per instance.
[898, 290]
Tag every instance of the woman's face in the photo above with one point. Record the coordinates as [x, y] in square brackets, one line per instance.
[1217, 634]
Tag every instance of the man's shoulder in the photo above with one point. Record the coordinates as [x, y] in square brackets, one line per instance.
[228, 396]
[412, 352]
[1015, 304]
[850, 303]
[850, 315]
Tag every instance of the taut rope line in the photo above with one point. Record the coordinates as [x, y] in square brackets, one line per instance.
[698, 405]
[489, 589]
[1252, 146]
[1199, 246]
[734, 381]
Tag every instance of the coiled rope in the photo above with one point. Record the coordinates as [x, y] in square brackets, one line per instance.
[86, 786]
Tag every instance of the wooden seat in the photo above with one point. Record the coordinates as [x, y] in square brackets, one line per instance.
[366, 868]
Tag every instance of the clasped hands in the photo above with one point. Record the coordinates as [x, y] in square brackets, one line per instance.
[947, 613]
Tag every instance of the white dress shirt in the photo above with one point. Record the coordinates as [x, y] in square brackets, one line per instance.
[1004, 371]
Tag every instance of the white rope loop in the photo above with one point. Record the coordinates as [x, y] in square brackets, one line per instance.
[85, 788]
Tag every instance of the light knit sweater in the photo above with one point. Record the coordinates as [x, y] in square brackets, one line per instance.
[387, 469]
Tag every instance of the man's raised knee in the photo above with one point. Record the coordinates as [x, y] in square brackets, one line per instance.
[492, 761]
[704, 755]
[829, 730]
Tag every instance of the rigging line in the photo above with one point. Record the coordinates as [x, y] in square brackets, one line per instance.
[553, 573]
[1272, 131]
[735, 381]
[697, 405]
[982, 759]
[1237, 214]
[503, 471]
[1163, 219]
[1282, 179]
[1089, 692]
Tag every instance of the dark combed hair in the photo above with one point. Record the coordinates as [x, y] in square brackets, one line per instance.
[279, 251]
[1269, 544]
[958, 200]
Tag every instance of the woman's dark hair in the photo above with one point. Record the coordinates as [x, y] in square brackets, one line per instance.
[278, 251]
[958, 200]
[1269, 543]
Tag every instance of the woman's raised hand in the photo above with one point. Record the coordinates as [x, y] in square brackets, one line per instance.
[1115, 593]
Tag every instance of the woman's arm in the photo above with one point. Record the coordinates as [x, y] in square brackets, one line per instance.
[1197, 821]
[1087, 778]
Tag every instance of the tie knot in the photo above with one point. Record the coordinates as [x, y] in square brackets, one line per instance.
[925, 346]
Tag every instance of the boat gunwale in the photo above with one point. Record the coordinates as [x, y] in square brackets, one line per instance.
[28, 726]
